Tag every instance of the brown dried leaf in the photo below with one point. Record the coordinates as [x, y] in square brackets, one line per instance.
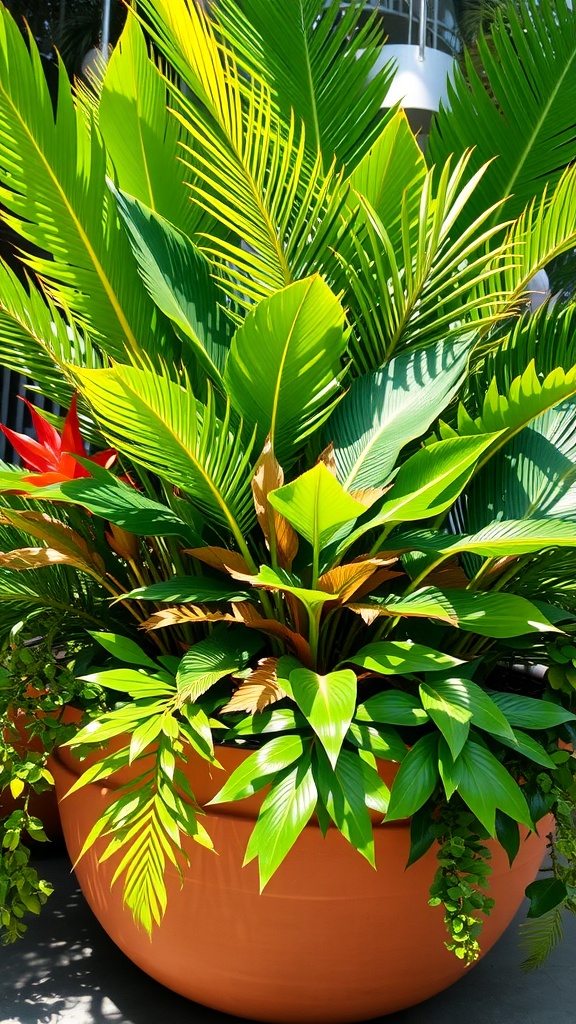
[452, 575]
[38, 558]
[123, 543]
[184, 613]
[221, 559]
[258, 690]
[56, 534]
[329, 459]
[368, 495]
[249, 615]
[345, 580]
[268, 476]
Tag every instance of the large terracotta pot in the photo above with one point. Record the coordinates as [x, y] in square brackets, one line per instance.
[330, 939]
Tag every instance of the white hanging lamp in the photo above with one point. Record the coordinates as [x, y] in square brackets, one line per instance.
[423, 39]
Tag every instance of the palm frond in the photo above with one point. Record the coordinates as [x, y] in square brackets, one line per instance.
[161, 426]
[416, 292]
[255, 177]
[300, 49]
[539, 936]
[521, 107]
[142, 137]
[53, 182]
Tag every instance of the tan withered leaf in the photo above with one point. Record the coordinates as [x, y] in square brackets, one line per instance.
[38, 558]
[221, 559]
[123, 543]
[57, 535]
[258, 690]
[369, 613]
[268, 476]
[368, 495]
[345, 580]
[452, 575]
[184, 613]
[250, 616]
[329, 459]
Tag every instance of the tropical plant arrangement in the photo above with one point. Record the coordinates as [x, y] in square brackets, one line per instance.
[335, 532]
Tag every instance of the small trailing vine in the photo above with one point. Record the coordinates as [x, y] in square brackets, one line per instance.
[461, 880]
[37, 682]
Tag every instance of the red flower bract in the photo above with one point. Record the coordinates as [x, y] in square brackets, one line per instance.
[51, 456]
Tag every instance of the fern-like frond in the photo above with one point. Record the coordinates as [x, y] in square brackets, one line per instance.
[539, 936]
[302, 49]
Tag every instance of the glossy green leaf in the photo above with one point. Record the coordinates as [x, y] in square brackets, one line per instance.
[452, 720]
[545, 894]
[286, 809]
[123, 649]
[416, 779]
[290, 345]
[178, 279]
[383, 411]
[484, 785]
[225, 651]
[328, 702]
[182, 589]
[508, 835]
[400, 657]
[383, 742]
[341, 787]
[316, 505]
[472, 698]
[393, 707]
[126, 507]
[530, 713]
[128, 680]
[259, 767]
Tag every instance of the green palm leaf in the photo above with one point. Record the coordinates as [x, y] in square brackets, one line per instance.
[52, 180]
[161, 426]
[521, 106]
[303, 50]
[254, 175]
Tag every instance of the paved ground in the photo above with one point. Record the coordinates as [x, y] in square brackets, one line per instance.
[67, 971]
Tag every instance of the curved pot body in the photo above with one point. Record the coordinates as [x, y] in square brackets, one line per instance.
[330, 939]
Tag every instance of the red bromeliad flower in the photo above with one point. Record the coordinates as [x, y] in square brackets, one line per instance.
[51, 456]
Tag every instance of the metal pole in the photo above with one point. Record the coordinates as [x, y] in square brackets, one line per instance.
[105, 41]
[62, 17]
[422, 30]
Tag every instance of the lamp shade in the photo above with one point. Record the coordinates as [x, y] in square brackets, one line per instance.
[419, 83]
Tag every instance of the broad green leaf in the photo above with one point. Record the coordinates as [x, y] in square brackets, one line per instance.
[259, 767]
[115, 723]
[530, 713]
[401, 657]
[316, 505]
[422, 835]
[416, 779]
[225, 651]
[383, 411]
[508, 835]
[484, 784]
[383, 742]
[182, 589]
[472, 698]
[280, 579]
[286, 809]
[530, 748]
[128, 680]
[328, 702]
[126, 507]
[392, 708]
[545, 894]
[341, 787]
[452, 720]
[123, 649]
[497, 539]
[268, 721]
[178, 278]
[288, 347]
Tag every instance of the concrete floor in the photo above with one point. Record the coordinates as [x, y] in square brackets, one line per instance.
[67, 971]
